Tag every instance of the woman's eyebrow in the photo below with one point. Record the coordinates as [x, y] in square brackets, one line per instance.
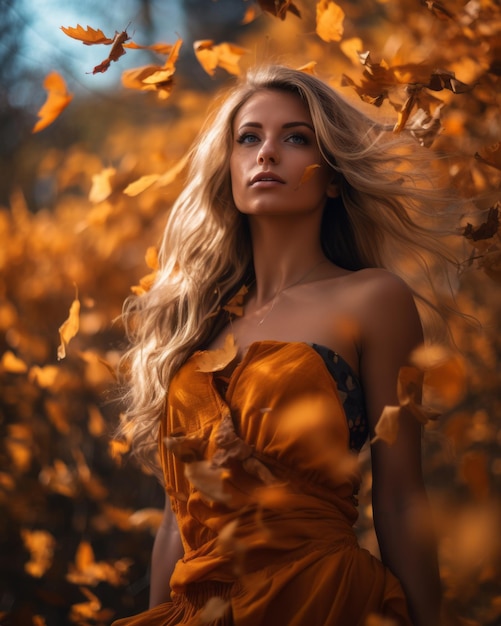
[286, 125]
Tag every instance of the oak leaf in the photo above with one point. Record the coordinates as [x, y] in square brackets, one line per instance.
[69, 328]
[89, 36]
[330, 17]
[58, 99]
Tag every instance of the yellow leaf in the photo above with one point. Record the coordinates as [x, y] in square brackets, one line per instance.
[308, 68]
[69, 327]
[40, 544]
[215, 360]
[45, 377]
[139, 185]
[13, 364]
[101, 185]
[387, 427]
[330, 17]
[225, 55]
[352, 48]
[58, 99]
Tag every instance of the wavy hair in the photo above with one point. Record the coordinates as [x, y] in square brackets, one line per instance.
[206, 255]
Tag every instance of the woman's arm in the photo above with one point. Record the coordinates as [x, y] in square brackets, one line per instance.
[392, 329]
[167, 550]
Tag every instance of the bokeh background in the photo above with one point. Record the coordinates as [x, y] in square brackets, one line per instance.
[77, 517]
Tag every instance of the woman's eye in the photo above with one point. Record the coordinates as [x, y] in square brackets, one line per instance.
[247, 138]
[297, 139]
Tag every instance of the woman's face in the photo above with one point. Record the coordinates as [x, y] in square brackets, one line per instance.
[276, 166]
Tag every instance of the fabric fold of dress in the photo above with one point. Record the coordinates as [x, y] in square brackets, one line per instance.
[263, 482]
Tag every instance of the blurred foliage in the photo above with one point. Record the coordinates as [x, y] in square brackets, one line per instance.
[76, 517]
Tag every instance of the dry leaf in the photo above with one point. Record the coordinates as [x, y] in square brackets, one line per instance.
[308, 68]
[352, 48]
[209, 480]
[279, 8]
[215, 360]
[40, 544]
[225, 55]
[88, 36]
[387, 426]
[235, 305]
[487, 229]
[139, 185]
[117, 51]
[330, 17]
[159, 48]
[490, 155]
[12, 364]
[69, 328]
[308, 173]
[102, 185]
[58, 99]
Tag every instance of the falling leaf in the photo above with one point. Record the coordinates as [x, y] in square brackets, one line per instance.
[209, 480]
[214, 609]
[160, 48]
[490, 155]
[309, 170]
[40, 544]
[352, 48]
[234, 306]
[487, 229]
[69, 328]
[387, 426]
[102, 185]
[225, 55]
[147, 518]
[58, 99]
[13, 364]
[308, 68]
[117, 51]
[330, 17]
[251, 13]
[45, 376]
[215, 360]
[141, 184]
[439, 10]
[445, 372]
[88, 36]
[279, 8]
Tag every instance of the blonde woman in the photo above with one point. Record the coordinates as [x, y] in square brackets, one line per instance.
[300, 209]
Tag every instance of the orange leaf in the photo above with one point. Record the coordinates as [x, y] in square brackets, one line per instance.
[308, 68]
[40, 545]
[88, 36]
[352, 48]
[160, 48]
[13, 364]
[235, 304]
[251, 14]
[224, 55]
[490, 155]
[69, 328]
[215, 360]
[330, 17]
[308, 173]
[101, 185]
[58, 99]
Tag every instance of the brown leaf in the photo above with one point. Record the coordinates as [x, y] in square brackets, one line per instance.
[58, 99]
[215, 360]
[490, 155]
[235, 305]
[442, 79]
[438, 9]
[117, 50]
[330, 17]
[487, 229]
[279, 8]
[88, 36]
[69, 328]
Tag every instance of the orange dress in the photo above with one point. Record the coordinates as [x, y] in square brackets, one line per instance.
[262, 475]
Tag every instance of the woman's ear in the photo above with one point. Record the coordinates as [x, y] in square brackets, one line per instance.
[333, 187]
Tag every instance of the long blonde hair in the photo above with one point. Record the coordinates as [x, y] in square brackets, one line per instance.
[205, 252]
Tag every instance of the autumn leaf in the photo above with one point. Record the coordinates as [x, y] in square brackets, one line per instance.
[147, 281]
[117, 51]
[234, 306]
[13, 364]
[438, 9]
[309, 170]
[69, 328]
[279, 8]
[162, 180]
[89, 36]
[159, 48]
[308, 68]
[352, 48]
[225, 55]
[444, 371]
[487, 229]
[251, 13]
[215, 360]
[102, 185]
[209, 480]
[330, 17]
[58, 99]
[490, 155]
[40, 544]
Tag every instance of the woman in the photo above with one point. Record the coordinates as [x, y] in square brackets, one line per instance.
[298, 206]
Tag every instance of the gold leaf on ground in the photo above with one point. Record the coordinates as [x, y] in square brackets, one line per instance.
[13, 364]
[387, 426]
[102, 185]
[215, 360]
[58, 99]
[69, 328]
[330, 17]
[214, 609]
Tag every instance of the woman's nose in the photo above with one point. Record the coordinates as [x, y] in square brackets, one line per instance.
[267, 154]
